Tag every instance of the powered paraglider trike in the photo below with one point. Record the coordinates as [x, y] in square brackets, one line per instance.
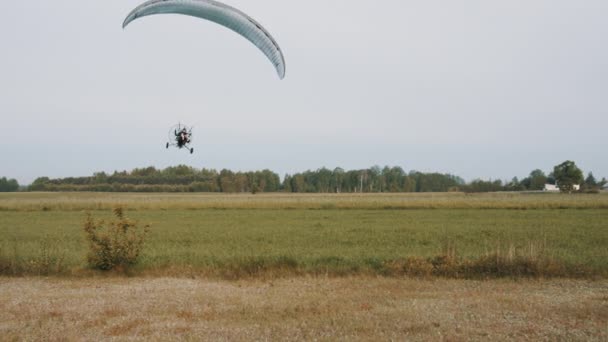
[180, 136]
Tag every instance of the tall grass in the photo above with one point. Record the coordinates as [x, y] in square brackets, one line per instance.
[48, 257]
[163, 201]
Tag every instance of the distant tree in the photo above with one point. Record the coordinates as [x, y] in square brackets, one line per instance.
[409, 184]
[351, 181]
[376, 181]
[394, 178]
[8, 185]
[227, 181]
[241, 182]
[567, 175]
[270, 180]
[337, 179]
[13, 185]
[590, 181]
[479, 185]
[434, 182]
[298, 183]
[145, 172]
[287, 183]
[514, 185]
[179, 170]
[551, 178]
[536, 180]
[323, 180]
[39, 184]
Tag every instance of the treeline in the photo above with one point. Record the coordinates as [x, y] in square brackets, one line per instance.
[179, 178]
[565, 176]
[8, 185]
[374, 179]
[188, 179]
[184, 178]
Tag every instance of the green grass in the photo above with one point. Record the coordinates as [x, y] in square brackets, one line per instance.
[44, 235]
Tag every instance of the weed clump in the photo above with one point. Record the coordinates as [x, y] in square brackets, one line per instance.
[115, 245]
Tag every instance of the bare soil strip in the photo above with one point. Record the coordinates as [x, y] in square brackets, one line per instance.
[306, 308]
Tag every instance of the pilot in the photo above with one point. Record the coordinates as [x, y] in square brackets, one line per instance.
[182, 137]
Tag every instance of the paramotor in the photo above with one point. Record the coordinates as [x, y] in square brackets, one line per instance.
[180, 136]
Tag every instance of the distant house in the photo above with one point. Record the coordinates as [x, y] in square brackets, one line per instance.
[554, 188]
[551, 188]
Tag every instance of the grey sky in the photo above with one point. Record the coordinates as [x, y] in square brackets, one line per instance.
[480, 89]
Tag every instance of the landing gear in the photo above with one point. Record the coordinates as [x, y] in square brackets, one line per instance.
[192, 150]
[167, 145]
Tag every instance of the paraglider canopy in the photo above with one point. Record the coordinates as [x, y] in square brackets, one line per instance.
[221, 14]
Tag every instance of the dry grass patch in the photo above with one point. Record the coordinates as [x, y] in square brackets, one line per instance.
[77, 201]
[304, 308]
[126, 328]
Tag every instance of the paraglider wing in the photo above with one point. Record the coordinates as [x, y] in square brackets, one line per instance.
[221, 14]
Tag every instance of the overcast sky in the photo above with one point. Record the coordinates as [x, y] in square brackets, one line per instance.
[480, 89]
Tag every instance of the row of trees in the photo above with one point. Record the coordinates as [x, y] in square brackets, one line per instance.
[179, 178]
[374, 179]
[184, 178]
[566, 176]
[187, 179]
[8, 185]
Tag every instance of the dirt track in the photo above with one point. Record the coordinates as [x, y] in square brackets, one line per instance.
[357, 308]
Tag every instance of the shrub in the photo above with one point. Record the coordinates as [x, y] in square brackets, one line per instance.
[115, 245]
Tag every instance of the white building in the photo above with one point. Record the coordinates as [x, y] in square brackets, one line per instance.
[551, 187]
[554, 188]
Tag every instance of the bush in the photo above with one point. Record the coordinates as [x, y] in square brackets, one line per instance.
[116, 245]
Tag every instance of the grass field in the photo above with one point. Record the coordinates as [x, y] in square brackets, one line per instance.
[310, 267]
[244, 235]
